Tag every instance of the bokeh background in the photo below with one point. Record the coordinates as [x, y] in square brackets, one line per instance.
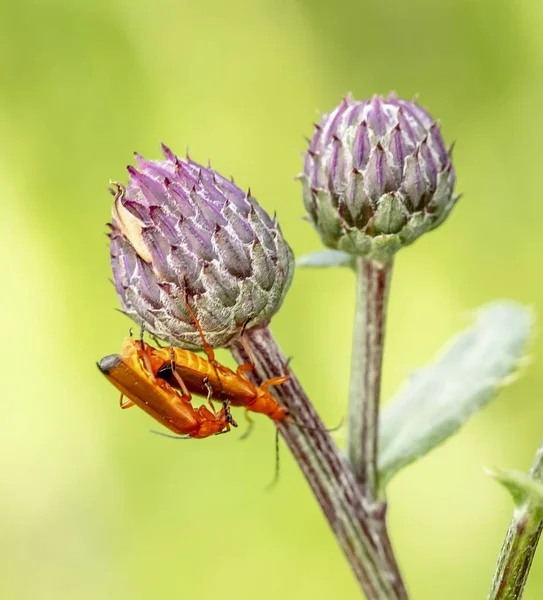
[92, 506]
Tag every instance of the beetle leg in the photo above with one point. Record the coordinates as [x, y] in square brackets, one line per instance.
[209, 394]
[126, 403]
[145, 358]
[248, 366]
[274, 381]
[186, 395]
[207, 348]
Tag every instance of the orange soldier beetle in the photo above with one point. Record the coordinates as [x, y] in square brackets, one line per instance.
[193, 374]
[157, 398]
[148, 376]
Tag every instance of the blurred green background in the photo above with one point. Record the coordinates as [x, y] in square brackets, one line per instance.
[92, 505]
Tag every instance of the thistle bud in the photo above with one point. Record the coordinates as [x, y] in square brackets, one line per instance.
[181, 231]
[377, 175]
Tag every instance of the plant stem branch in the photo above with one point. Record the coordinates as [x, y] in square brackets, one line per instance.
[520, 543]
[359, 526]
[372, 287]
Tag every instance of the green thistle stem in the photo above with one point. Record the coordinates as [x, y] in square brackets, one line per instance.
[372, 287]
[520, 543]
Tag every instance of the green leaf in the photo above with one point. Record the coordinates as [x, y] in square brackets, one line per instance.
[437, 400]
[522, 488]
[326, 258]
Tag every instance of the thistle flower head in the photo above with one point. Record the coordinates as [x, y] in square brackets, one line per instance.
[377, 175]
[181, 231]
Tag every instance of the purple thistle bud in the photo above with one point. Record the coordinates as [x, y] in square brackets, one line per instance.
[377, 175]
[180, 230]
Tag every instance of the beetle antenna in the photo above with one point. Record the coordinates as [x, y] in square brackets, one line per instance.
[169, 435]
[330, 430]
[276, 476]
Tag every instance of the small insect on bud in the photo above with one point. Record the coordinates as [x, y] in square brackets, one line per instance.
[377, 175]
[182, 231]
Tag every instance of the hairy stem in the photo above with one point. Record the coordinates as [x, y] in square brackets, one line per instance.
[359, 526]
[520, 543]
[372, 286]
